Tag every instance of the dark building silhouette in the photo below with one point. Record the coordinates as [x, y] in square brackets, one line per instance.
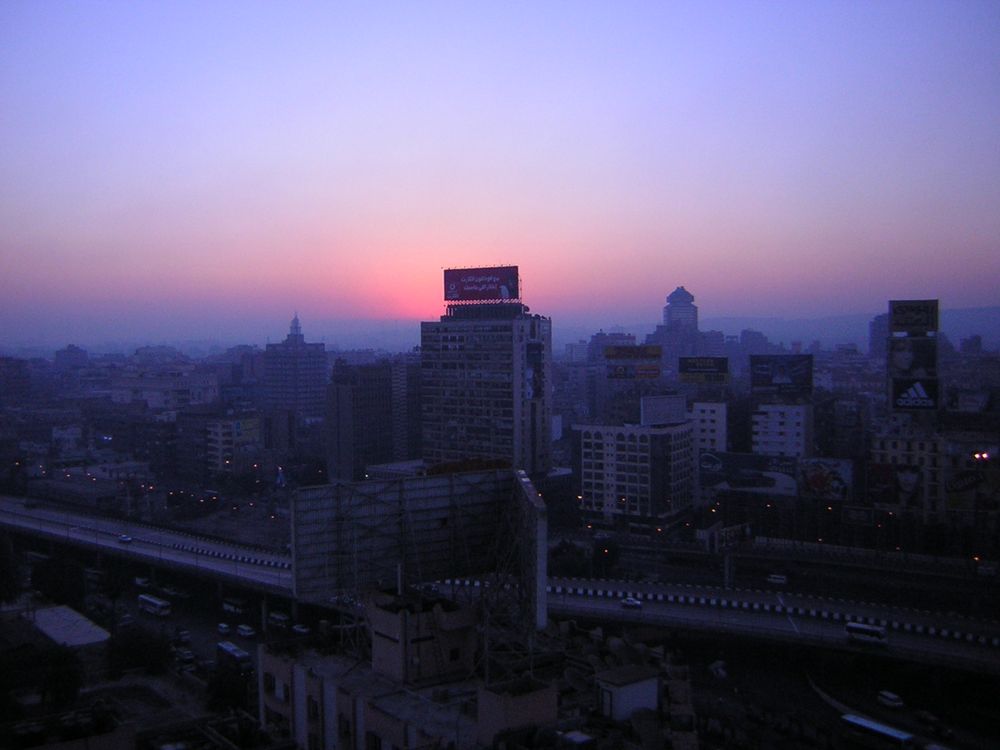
[295, 377]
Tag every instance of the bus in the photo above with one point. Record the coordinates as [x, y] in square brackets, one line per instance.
[231, 656]
[860, 632]
[154, 605]
[862, 732]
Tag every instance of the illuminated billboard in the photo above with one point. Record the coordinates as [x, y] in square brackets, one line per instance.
[481, 284]
[912, 357]
[825, 479]
[748, 472]
[918, 316]
[781, 374]
[703, 369]
[917, 394]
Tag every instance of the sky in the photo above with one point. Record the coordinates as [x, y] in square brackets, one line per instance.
[205, 170]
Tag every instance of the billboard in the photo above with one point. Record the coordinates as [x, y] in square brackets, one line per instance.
[975, 489]
[781, 374]
[748, 472]
[912, 357]
[825, 479]
[633, 362]
[481, 284]
[636, 352]
[703, 369]
[896, 485]
[914, 394]
[917, 316]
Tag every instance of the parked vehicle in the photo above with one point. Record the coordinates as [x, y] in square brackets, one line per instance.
[224, 628]
[245, 631]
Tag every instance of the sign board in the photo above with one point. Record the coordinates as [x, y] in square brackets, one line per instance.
[748, 472]
[918, 316]
[916, 394]
[781, 374]
[651, 352]
[825, 480]
[493, 283]
[703, 369]
[912, 357]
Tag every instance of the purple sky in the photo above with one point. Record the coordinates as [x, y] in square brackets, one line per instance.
[173, 170]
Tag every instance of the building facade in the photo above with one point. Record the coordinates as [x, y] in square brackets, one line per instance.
[295, 376]
[486, 373]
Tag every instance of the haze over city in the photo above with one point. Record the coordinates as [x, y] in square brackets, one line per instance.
[205, 171]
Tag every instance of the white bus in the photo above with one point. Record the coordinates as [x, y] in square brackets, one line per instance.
[154, 605]
[231, 656]
[862, 633]
[868, 733]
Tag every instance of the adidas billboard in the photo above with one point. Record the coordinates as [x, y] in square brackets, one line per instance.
[908, 393]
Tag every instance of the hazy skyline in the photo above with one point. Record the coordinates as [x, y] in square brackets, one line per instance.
[195, 171]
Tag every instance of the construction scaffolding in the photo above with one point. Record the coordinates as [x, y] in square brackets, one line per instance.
[350, 539]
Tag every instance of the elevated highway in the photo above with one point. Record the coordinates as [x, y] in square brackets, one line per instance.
[913, 634]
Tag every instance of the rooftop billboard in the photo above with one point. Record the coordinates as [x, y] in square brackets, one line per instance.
[781, 374]
[703, 369]
[917, 316]
[481, 284]
[825, 479]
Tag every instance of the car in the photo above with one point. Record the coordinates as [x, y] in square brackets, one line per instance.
[300, 629]
[141, 582]
[185, 656]
[124, 539]
[183, 636]
[224, 628]
[889, 700]
[778, 579]
[630, 602]
[245, 631]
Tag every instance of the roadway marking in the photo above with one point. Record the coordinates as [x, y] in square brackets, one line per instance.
[790, 620]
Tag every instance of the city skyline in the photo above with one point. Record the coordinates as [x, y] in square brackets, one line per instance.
[190, 172]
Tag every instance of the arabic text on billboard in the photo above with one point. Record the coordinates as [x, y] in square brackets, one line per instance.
[481, 284]
[919, 394]
[913, 315]
[641, 351]
[912, 357]
[749, 472]
[703, 369]
[784, 374]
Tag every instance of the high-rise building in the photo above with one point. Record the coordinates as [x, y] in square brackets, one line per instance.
[373, 416]
[642, 472]
[486, 372]
[783, 430]
[678, 334]
[680, 312]
[295, 376]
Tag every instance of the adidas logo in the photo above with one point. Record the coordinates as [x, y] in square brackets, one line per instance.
[915, 395]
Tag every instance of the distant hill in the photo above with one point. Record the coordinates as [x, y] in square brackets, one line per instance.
[841, 329]
[956, 324]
